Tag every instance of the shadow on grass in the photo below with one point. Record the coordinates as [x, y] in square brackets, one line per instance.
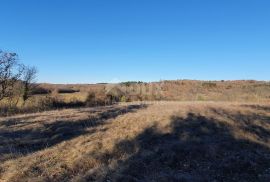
[196, 149]
[253, 123]
[22, 142]
[258, 107]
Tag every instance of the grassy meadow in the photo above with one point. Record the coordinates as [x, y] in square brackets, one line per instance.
[155, 141]
[163, 131]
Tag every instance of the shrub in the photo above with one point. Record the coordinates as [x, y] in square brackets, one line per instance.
[129, 83]
[123, 99]
[91, 99]
[200, 98]
[40, 91]
[209, 84]
[115, 95]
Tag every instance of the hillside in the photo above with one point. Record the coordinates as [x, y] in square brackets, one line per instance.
[164, 141]
[181, 90]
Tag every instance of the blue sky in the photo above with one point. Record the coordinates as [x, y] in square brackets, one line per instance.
[89, 41]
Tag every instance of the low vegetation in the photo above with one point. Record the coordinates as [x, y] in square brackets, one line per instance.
[67, 91]
[101, 95]
[179, 90]
[162, 141]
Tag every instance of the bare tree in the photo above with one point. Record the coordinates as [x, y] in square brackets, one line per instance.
[28, 82]
[10, 73]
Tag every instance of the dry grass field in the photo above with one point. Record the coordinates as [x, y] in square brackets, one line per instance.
[134, 91]
[158, 141]
[58, 96]
[180, 90]
[177, 90]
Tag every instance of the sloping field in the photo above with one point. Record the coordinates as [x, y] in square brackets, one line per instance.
[162, 141]
[177, 90]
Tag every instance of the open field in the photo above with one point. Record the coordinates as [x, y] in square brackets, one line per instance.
[162, 141]
[59, 96]
[177, 90]
[134, 91]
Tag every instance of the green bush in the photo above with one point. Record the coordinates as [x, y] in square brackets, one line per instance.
[123, 99]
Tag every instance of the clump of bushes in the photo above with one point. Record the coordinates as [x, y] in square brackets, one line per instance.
[123, 99]
[209, 84]
[40, 91]
[67, 91]
[200, 98]
[91, 99]
[38, 104]
[59, 104]
[97, 99]
[104, 98]
[129, 83]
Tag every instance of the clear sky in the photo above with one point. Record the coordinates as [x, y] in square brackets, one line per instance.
[88, 41]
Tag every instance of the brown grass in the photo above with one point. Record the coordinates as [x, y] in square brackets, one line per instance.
[76, 95]
[159, 141]
[182, 90]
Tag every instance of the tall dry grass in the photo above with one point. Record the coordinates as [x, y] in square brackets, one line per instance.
[162, 141]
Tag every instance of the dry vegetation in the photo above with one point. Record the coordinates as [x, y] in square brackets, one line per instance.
[50, 96]
[163, 141]
[180, 90]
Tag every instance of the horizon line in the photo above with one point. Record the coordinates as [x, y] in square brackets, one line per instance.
[161, 80]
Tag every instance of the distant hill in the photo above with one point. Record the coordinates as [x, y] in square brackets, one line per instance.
[181, 90]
